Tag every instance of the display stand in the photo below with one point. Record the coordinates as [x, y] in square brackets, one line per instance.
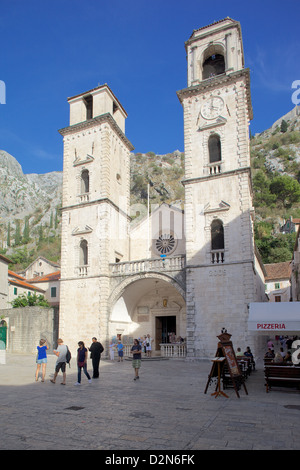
[225, 355]
[217, 361]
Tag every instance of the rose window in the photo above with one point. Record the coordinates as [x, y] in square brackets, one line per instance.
[165, 244]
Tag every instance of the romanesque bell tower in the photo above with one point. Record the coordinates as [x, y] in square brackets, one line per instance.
[96, 199]
[222, 270]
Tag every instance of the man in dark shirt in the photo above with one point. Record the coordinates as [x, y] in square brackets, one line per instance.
[96, 349]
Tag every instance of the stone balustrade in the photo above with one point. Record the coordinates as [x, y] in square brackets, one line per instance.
[175, 263]
[173, 349]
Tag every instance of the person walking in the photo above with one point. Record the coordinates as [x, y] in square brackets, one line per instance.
[96, 349]
[61, 353]
[136, 358]
[82, 354]
[41, 359]
[120, 348]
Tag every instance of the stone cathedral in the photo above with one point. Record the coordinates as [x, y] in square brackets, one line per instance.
[183, 273]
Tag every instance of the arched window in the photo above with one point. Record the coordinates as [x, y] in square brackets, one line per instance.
[214, 148]
[85, 182]
[217, 235]
[213, 65]
[83, 253]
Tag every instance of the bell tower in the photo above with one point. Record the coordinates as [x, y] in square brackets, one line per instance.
[222, 269]
[95, 212]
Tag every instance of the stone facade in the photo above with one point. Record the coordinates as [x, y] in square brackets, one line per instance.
[189, 273]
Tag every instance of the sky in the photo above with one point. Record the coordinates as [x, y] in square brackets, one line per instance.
[52, 50]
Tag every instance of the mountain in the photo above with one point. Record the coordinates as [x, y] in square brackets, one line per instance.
[29, 209]
[29, 204]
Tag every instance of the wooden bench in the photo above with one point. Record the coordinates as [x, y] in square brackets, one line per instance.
[282, 376]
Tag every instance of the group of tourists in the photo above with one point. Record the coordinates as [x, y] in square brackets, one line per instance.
[96, 349]
[284, 355]
[63, 357]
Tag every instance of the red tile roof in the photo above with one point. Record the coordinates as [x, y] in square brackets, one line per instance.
[278, 271]
[23, 283]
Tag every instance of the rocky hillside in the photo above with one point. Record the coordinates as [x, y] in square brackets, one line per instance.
[29, 204]
[29, 209]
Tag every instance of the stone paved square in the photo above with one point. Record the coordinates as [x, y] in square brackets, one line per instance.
[165, 410]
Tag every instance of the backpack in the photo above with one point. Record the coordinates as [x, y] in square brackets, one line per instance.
[68, 356]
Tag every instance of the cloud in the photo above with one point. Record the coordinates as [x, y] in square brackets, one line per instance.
[276, 71]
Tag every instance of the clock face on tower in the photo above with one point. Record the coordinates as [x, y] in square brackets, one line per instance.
[212, 107]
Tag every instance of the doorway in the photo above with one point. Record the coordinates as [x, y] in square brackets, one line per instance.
[164, 326]
[3, 334]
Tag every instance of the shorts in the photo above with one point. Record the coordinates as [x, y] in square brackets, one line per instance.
[60, 365]
[136, 363]
[42, 361]
[120, 353]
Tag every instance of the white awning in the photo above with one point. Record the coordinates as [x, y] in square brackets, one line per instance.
[274, 316]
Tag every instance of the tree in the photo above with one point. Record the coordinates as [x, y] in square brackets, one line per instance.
[17, 233]
[286, 189]
[8, 234]
[283, 126]
[261, 188]
[30, 300]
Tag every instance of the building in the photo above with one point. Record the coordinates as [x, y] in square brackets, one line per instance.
[18, 285]
[278, 281]
[291, 225]
[188, 273]
[39, 267]
[4, 262]
[50, 285]
[295, 270]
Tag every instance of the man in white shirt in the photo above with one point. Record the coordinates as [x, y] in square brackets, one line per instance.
[61, 353]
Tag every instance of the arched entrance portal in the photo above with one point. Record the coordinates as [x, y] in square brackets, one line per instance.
[151, 305]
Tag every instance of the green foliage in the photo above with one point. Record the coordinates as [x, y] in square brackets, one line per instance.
[276, 249]
[18, 233]
[286, 189]
[283, 126]
[30, 300]
[262, 193]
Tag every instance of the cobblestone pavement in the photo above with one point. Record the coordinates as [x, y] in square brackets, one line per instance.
[166, 409]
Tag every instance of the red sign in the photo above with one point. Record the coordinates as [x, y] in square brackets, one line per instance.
[270, 326]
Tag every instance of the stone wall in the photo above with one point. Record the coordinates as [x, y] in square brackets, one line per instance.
[27, 325]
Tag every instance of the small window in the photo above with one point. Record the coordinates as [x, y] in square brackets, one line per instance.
[277, 298]
[277, 285]
[15, 291]
[214, 148]
[85, 182]
[53, 291]
[83, 256]
[88, 101]
[217, 235]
